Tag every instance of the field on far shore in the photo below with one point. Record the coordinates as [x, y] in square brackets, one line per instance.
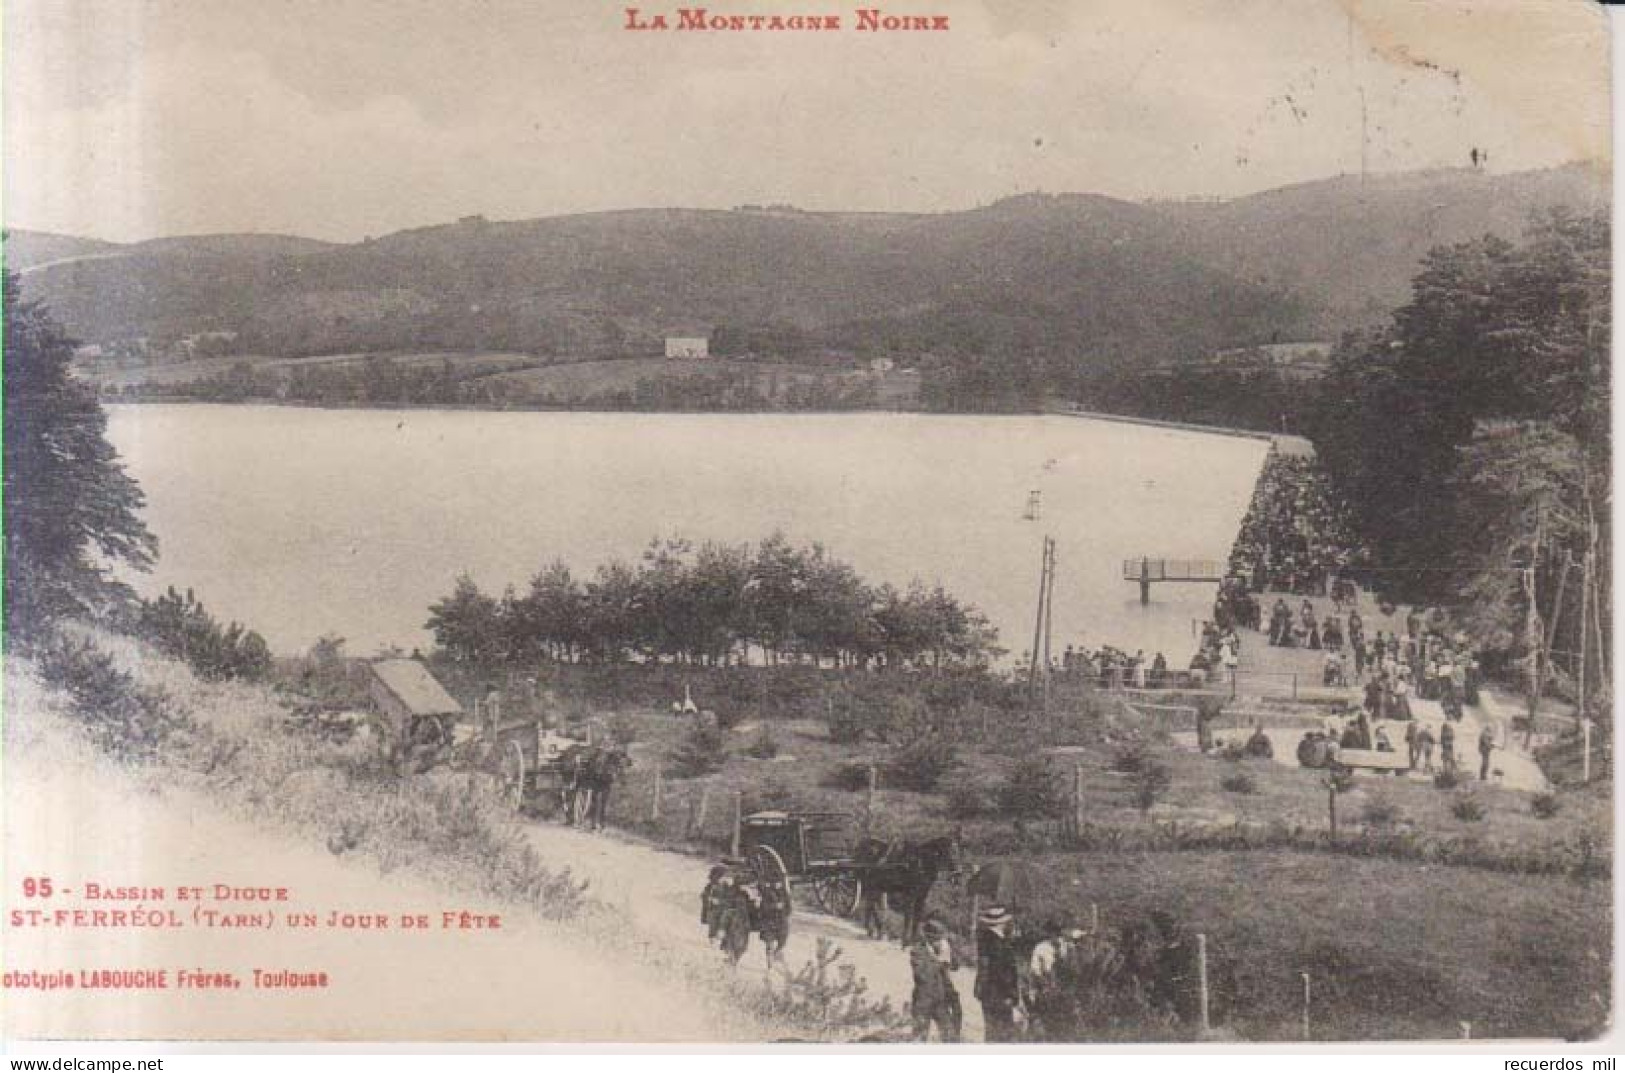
[520, 379]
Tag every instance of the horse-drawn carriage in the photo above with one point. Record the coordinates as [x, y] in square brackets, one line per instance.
[546, 773]
[807, 850]
[530, 761]
[812, 851]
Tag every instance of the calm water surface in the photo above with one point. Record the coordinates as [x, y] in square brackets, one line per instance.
[300, 522]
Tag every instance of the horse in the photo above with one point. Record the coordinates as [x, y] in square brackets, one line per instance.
[590, 772]
[907, 871]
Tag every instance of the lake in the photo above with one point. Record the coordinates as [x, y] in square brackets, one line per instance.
[300, 522]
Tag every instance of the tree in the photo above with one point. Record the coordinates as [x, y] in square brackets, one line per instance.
[72, 513]
[467, 624]
[1493, 332]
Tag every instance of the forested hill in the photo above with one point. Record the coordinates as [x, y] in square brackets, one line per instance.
[1081, 281]
[1352, 245]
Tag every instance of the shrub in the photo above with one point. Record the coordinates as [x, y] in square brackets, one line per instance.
[770, 795]
[1149, 783]
[1233, 751]
[1030, 790]
[623, 728]
[826, 998]
[1131, 758]
[845, 726]
[1239, 783]
[181, 627]
[764, 746]
[122, 717]
[848, 777]
[1380, 812]
[921, 765]
[1446, 780]
[966, 801]
[701, 751]
[1545, 805]
[1469, 809]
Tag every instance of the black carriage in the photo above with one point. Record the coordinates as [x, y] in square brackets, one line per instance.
[808, 850]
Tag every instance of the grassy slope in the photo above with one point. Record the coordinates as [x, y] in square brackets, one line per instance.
[1397, 949]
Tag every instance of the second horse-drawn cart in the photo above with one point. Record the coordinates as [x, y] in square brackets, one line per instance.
[532, 763]
[806, 850]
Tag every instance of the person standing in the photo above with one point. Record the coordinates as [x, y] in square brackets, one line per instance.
[1447, 747]
[1051, 982]
[935, 1001]
[1413, 743]
[998, 986]
[1424, 741]
[1486, 745]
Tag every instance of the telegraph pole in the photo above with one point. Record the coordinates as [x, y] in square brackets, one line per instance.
[1041, 631]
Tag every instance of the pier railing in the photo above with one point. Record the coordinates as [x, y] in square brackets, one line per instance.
[1147, 569]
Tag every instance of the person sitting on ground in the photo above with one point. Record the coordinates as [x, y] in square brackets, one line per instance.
[1259, 745]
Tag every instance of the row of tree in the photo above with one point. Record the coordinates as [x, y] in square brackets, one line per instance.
[714, 604]
[1471, 438]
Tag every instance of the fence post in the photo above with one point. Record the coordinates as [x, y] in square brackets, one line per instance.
[1294, 686]
[1305, 977]
[1201, 981]
[869, 799]
[1077, 800]
[654, 801]
[739, 805]
[1585, 751]
[698, 826]
[1331, 803]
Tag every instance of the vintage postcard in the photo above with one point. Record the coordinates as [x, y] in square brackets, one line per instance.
[983, 522]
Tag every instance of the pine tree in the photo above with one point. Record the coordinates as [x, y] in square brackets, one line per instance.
[72, 514]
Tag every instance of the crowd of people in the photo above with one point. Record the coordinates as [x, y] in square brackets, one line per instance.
[1113, 668]
[737, 903]
[1296, 536]
[1059, 981]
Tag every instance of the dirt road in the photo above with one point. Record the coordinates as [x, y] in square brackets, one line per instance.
[76, 818]
[659, 893]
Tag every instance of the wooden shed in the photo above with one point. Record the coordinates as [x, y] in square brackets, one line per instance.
[406, 693]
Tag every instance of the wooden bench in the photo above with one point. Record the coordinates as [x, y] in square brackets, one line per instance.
[1372, 760]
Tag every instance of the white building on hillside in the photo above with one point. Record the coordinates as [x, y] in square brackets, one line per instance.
[687, 346]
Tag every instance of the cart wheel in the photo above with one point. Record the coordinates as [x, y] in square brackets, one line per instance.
[838, 894]
[513, 776]
[768, 865]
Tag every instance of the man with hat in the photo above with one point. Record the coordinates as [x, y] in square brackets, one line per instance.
[934, 999]
[998, 986]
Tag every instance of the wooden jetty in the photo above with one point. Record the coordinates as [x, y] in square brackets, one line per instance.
[1146, 571]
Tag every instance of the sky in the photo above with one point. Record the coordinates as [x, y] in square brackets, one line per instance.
[339, 119]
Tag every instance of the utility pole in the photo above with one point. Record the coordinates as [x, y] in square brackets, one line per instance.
[1546, 649]
[1585, 634]
[1049, 620]
[1532, 632]
[1039, 663]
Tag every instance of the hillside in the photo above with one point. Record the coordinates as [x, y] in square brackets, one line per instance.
[1083, 282]
[25, 250]
[1351, 246]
